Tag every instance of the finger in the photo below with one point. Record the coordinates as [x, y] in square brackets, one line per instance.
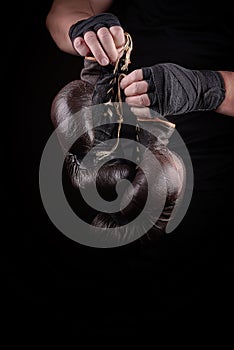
[81, 47]
[107, 43]
[134, 76]
[140, 100]
[141, 112]
[118, 36]
[138, 88]
[92, 42]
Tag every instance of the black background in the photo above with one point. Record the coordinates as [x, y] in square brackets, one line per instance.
[55, 284]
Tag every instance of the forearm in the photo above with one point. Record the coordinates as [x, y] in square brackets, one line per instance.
[227, 106]
[64, 13]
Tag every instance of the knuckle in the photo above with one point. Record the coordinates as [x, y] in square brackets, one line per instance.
[77, 42]
[78, 48]
[143, 100]
[116, 31]
[81, 49]
[134, 75]
[146, 86]
[137, 74]
[90, 37]
[126, 92]
[103, 33]
[147, 100]
[135, 88]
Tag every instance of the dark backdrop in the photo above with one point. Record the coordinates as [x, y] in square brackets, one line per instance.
[58, 284]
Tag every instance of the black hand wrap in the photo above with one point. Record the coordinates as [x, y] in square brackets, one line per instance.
[93, 23]
[176, 90]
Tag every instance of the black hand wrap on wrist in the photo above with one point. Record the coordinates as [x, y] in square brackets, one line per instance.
[93, 23]
[176, 90]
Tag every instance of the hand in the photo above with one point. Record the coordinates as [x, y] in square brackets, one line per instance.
[170, 89]
[135, 89]
[100, 35]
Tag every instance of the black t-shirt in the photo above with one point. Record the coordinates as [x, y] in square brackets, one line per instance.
[196, 35]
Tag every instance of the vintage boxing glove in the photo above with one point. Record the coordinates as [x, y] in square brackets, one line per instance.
[70, 112]
[100, 85]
